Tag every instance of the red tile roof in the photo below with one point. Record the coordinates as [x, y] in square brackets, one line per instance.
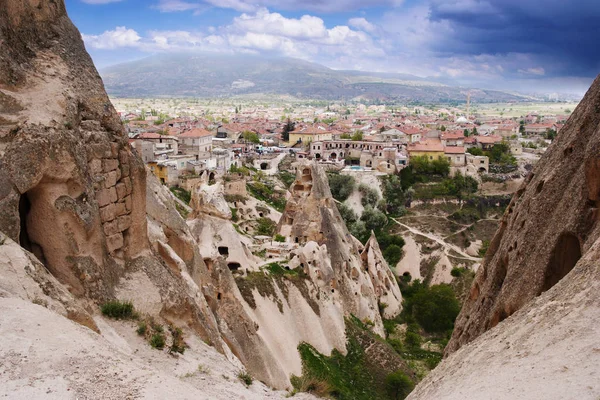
[196, 133]
[454, 150]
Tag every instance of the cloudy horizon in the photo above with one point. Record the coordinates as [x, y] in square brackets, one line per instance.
[528, 46]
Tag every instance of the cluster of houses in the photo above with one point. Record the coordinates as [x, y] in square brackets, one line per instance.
[382, 142]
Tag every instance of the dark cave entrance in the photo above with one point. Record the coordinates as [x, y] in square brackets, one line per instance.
[25, 206]
[565, 255]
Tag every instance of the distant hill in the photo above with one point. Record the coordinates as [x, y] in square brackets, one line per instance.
[211, 75]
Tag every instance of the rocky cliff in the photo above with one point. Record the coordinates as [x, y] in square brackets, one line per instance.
[550, 223]
[71, 190]
[529, 328]
[82, 224]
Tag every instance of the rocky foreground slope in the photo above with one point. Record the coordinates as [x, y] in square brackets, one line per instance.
[82, 224]
[531, 326]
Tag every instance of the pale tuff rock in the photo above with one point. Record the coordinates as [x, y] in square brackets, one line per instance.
[23, 276]
[49, 357]
[382, 277]
[550, 223]
[312, 216]
[209, 200]
[530, 326]
[72, 191]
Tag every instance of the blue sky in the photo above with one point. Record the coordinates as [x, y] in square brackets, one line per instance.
[526, 45]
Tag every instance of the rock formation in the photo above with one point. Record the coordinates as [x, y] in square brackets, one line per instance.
[71, 190]
[360, 281]
[263, 317]
[549, 224]
[82, 224]
[530, 326]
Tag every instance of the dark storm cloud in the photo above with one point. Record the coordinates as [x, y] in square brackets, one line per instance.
[562, 35]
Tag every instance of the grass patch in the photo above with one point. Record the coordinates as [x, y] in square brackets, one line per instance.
[356, 375]
[157, 341]
[245, 378]
[182, 194]
[118, 309]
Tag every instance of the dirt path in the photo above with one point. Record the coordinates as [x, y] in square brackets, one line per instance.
[447, 246]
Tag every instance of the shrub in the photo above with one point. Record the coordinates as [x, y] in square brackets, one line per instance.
[435, 307]
[279, 238]
[370, 197]
[177, 345]
[374, 219]
[347, 214]
[245, 377]
[392, 255]
[484, 248]
[117, 309]
[412, 339]
[341, 186]
[182, 194]
[234, 214]
[157, 341]
[287, 178]
[142, 328]
[398, 385]
[266, 226]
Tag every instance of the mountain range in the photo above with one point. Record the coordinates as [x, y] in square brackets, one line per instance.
[210, 75]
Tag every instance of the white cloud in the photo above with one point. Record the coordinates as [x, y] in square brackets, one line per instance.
[362, 24]
[119, 37]
[533, 71]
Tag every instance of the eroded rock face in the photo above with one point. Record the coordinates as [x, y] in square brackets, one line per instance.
[551, 222]
[72, 192]
[360, 279]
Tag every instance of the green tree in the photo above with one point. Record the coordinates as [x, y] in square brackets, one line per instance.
[474, 131]
[287, 128]
[370, 197]
[374, 219]
[357, 136]
[398, 385]
[251, 137]
[435, 308]
[341, 186]
[466, 133]
[392, 254]
[476, 151]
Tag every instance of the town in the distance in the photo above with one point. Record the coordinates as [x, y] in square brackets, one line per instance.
[180, 139]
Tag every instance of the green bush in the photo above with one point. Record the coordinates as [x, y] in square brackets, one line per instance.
[157, 341]
[266, 226]
[245, 377]
[177, 345]
[370, 197]
[279, 238]
[341, 186]
[393, 254]
[412, 339]
[398, 385]
[118, 309]
[234, 214]
[435, 308]
[347, 214]
[182, 194]
[287, 178]
[142, 328]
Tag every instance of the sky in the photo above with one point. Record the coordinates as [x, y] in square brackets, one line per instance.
[541, 46]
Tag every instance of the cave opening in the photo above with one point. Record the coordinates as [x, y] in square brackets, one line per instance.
[223, 250]
[233, 266]
[25, 207]
[565, 255]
